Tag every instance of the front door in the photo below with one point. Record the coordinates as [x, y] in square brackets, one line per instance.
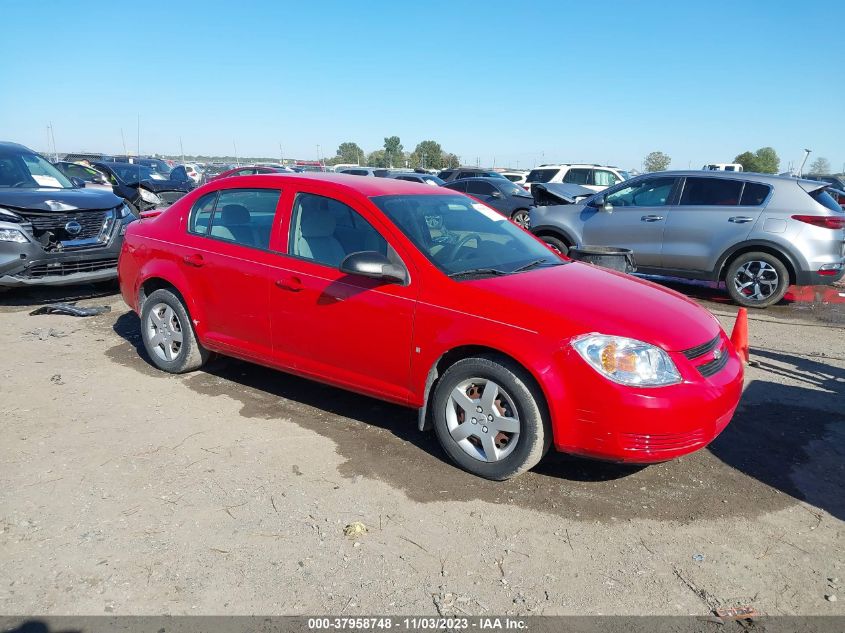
[636, 220]
[352, 331]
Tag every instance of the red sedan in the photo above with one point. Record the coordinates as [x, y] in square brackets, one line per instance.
[427, 298]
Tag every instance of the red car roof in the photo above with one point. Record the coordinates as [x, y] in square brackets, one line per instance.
[365, 185]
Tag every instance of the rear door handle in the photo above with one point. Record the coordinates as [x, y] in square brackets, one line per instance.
[293, 284]
[740, 219]
[195, 260]
[651, 218]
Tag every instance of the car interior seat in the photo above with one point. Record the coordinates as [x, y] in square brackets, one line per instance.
[234, 225]
[315, 238]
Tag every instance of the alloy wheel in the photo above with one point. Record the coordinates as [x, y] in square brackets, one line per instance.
[482, 419]
[164, 332]
[756, 280]
[521, 218]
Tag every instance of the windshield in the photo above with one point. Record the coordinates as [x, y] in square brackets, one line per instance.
[25, 170]
[511, 189]
[131, 173]
[459, 235]
[625, 175]
[432, 180]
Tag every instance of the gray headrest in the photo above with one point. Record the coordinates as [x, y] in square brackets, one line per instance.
[234, 214]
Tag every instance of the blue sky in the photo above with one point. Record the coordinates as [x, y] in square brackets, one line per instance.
[495, 81]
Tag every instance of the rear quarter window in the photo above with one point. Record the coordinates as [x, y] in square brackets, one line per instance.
[754, 194]
[541, 175]
[201, 212]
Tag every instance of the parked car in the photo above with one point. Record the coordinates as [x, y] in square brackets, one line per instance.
[516, 177]
[88, 175]
[595, 177]
[250, 170]
[448, 175]
[722, 167]
[426, 298]
[837, 182]
[192, 171]
[509, 199]
[378, 172]
[51, 232]
[413, 176]
[159, 167]
[757, 233]
[136, 185]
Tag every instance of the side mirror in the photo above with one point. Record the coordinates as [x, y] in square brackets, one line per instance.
[496, 194]
[601, 204]
[77, 182]
[373, 265]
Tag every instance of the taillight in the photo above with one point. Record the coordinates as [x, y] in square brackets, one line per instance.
[824, 221]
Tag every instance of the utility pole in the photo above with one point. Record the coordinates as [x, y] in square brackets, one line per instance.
[123, 140]
[806, 156]
[281, 155]
[139, 134]
[237, 160]
[53, 137]
[182, 149]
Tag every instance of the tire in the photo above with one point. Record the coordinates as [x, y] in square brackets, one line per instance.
[756, 280]
[518, 403]
[556, 244]
[163, 312]
[522, 218]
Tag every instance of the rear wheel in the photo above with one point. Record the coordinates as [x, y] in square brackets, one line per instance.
[522, 218]
[556, 244]
[168, 334]
[490, 418]
[756, 280]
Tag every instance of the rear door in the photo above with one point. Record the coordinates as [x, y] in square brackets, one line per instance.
[636, 221]
[224, 257]
[712, 215]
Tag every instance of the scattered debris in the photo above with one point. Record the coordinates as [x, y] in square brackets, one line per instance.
[831, 597]
[56, 379]
[354, 530]
[698, 558]
[729, 614]
[70, 309]
[44, 333]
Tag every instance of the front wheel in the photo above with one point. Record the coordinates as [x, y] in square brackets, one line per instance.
[168, 334]
[490, 418]
[521, 218]
[756, 280]
[556, 245]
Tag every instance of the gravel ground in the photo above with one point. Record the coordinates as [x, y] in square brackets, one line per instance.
[125, 490]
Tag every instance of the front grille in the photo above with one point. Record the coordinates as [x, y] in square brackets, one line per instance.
[92, 222]
[62, 269]
[701, 350]
[661, 443]
[714, 366]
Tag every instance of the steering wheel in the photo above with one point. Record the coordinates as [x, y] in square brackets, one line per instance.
[459, 244]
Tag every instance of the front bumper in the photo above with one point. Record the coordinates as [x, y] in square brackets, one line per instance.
[618, 423]
[29, 264]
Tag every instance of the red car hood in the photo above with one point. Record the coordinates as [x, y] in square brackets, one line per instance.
[580, 298]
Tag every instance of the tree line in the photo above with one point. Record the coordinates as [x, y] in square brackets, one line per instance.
[426, 155]
[764, 161]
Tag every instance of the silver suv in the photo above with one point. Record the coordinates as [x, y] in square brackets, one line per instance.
[757, 233]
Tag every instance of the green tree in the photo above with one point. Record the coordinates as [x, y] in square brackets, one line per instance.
[393, 151]
[428, 155]
[656, 161]
[349, 152]
[748, 161]
[377, 159]
[450, 161]
[767, 160]
[820, 166]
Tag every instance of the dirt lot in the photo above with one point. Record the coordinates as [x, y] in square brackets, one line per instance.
[125, 490]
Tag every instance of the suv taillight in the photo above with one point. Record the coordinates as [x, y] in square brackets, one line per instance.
[824, 221]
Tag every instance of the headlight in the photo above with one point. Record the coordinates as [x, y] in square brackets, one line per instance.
[124, 211]
[12, 235]
[148, 196]
[627, 361]
[9, 216]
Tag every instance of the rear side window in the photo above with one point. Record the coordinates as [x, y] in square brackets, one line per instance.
[711, 192]
[577, 176]
[201, 214]
[541, 175]
[754, 194]
[245, 216]
[456, 185]
[443, 175]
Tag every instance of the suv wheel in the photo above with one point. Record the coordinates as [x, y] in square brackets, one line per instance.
[556, 244]
[490, 418]
[168, 334]
[756, 280]
[521, 218]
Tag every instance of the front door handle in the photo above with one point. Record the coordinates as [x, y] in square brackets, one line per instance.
[651, 218]
[195, 260]
[292, 284]
[740, 219]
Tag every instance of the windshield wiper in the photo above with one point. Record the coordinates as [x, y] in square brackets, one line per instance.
[530, 265]
[478, 271]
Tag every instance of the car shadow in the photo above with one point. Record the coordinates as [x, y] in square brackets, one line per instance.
[778, 447]
[13, 299]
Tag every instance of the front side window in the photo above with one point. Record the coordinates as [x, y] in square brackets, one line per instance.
[457, 185]
[462, 237]
[604, 178]
[325, 231]
[480, 188]
[241, 216]
[541, 175]
[711, 192]
[649, 192]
